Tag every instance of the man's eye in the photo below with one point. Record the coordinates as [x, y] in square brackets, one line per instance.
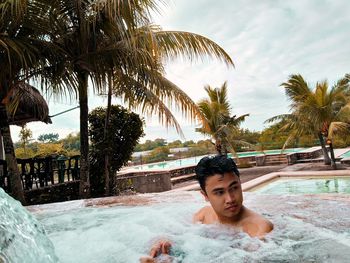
[219, 193]
[233, 188]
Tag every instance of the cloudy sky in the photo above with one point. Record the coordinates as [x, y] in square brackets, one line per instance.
[267, 39]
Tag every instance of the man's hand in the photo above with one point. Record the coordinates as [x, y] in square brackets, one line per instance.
[161, 247]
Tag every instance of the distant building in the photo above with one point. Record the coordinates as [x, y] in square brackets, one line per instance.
[138, 154]
[179, 149]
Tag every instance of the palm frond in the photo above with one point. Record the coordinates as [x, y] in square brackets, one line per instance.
[173, 44]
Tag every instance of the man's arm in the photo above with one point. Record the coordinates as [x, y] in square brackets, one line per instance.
[203, 215]
[198, 217]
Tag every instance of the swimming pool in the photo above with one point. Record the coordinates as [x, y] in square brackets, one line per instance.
[306, 185]
[307, 229]
[345, 155]
[194, 160]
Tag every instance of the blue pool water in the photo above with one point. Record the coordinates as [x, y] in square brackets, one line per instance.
[346, 155]
[194, 160]
[122, 229]
[306, 230]
[306, 186]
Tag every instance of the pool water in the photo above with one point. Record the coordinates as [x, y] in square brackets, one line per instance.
[195, 160]
[306, 186]
[22, 237]
[345, 155]
[306, 230]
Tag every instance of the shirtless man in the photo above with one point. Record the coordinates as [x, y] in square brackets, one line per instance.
[218, 178]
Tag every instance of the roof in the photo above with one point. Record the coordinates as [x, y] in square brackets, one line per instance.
[27, 104]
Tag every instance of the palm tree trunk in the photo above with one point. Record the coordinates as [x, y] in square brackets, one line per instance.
[327, 160]
[2, 153]
[13, 172]
[84, 187]
[333, 164]
[105, 134]
[218, 146]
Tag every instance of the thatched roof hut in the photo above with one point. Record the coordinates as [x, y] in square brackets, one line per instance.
[26, 105]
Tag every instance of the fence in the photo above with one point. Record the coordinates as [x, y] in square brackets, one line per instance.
[41, 172]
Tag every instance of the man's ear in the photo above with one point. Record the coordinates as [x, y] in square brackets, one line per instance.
[205, 195]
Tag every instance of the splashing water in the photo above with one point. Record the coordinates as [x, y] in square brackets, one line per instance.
[22, 238]
[308, 228]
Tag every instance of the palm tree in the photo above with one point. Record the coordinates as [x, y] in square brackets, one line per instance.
[65, 43]
[217, 121]
[320, 111]
[116, 38]
[24, 49]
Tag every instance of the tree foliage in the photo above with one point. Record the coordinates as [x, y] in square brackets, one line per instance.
[71, 143]
[273, 138]
[150, 145]
[25, 135]
[159, 154]
[321, 112]
[48, 137]
[66, 43]
[217, 121]
[125, 130]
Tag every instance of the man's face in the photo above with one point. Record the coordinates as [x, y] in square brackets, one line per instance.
[224, 193]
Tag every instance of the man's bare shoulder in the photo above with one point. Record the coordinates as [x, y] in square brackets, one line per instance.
[201, 214]
[256, 225]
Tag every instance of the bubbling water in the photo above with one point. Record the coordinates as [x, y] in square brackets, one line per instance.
[308, 228]
[22, 237]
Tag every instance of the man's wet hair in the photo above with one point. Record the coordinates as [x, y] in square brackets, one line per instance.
[211, 165]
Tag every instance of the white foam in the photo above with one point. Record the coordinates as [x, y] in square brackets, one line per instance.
[305, 231]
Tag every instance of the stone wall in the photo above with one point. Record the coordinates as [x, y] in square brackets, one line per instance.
[54, 193]
[292, 158]
[144, 183]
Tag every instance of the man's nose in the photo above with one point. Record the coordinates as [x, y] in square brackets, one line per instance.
[229, 197]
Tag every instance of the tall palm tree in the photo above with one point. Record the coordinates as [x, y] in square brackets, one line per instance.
[217, 120]
[65, 43]
[24, 49]
[116, 38]
[319, 111]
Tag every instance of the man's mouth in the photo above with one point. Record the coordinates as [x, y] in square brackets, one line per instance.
[232, 207]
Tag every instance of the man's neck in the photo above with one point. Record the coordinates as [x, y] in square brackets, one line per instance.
[234, 219]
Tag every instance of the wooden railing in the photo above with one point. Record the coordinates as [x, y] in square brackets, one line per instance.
[41, 172]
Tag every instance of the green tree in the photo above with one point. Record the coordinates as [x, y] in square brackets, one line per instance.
[188, 143]
[125, 130]
[150, 145]
[71, 142]
[175, 144]
[158, 154]
[202, 147]
[25, 134]
[273, 138]
[216, 119]
[48, 137]
[320, 112]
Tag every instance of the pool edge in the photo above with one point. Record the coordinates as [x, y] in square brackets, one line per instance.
[268, 177]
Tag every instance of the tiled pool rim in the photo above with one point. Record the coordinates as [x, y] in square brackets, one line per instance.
[275, 175]
[272, 176]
